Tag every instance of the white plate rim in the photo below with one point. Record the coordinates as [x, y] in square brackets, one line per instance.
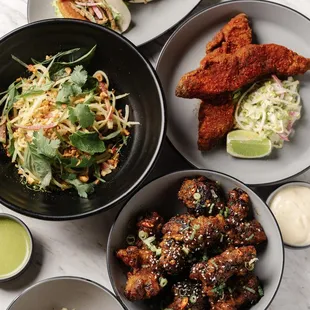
[165, 47]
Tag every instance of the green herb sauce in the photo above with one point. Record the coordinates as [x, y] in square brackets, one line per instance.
[15, 246]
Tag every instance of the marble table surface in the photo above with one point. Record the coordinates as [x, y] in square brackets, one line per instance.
[78, 248]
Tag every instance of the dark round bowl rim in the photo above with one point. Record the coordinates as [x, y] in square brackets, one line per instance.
[22, 270]
[202, 11]
[196, 171]
[274, 192]
[162, 102]
[24, 292]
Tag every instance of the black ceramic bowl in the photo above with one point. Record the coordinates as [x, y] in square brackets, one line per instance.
[161, 195]
[129, 72]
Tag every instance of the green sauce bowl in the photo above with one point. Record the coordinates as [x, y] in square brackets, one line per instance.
[16, 247]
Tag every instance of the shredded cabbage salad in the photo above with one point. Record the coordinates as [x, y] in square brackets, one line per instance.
[62, 127]
[270, 108]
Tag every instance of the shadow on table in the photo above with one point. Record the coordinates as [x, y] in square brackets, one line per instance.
[31, 273]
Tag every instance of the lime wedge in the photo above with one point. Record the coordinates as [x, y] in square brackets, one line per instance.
[247, 144]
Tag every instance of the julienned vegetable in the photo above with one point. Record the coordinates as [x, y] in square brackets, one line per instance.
[62, 127]
[270, 108]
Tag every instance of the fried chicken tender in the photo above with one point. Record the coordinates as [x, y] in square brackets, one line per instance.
[246, 233]
[244, 291]
[151, 223]
[236, 33]
[222, 73]
[217, 270]
[216, 113]
[202, 196]
[185, 235]
[216, 119]
[188, 296]
[142, 284]
[238, 205]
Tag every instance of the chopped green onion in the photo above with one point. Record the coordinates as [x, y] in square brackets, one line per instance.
[197, 196]
[222, 237]
[250, 238]
[163, 282]
[214, 263]
[158, 252]
[226, 212]
[196, 226]
[131, 239]
[185, 250]
[143, 235]
[211, 208]
[260, 291]
[249, 289]
[193, 299]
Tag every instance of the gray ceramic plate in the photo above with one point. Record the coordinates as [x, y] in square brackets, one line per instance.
[66, 292]
[161, 196]
[271, 23]
[148, 21]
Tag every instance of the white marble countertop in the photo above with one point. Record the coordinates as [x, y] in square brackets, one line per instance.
[78, 248]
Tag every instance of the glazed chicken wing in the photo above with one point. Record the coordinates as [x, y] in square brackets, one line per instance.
[135, 257]
[188, 296]
[184, 236]
[202, 196]
[246, 233]
[222, 73]
[151, 224]
[142, 284]
[238, 206]
[217, 270]
[242, 291]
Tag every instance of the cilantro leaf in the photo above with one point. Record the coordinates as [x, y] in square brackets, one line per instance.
[83, 189]
[67, 91]
[45, 146]
[79, 76]
[82, 114]
[88, 142]
[38, 165]
[82, 162]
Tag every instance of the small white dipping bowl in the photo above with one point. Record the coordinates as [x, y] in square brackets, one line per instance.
[272, 195]
[66, 292]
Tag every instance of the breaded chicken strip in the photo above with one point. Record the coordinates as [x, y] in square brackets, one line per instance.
[216, 119]
[216, 113]
[228, 72]
[236, 33]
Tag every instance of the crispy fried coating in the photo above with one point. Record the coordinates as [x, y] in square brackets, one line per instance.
[221, 73]
[238, 205]
[202, 196]
[188, 296]
[216, 113]
[135, 257]
[67, 10]
[151, 223]
[216, 119]
[243, 291]
[236, 33]
[217, 270]
[246, 233]
[185, 235]
[142, 284]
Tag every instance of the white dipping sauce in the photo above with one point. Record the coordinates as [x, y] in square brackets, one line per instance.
[291, 207]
